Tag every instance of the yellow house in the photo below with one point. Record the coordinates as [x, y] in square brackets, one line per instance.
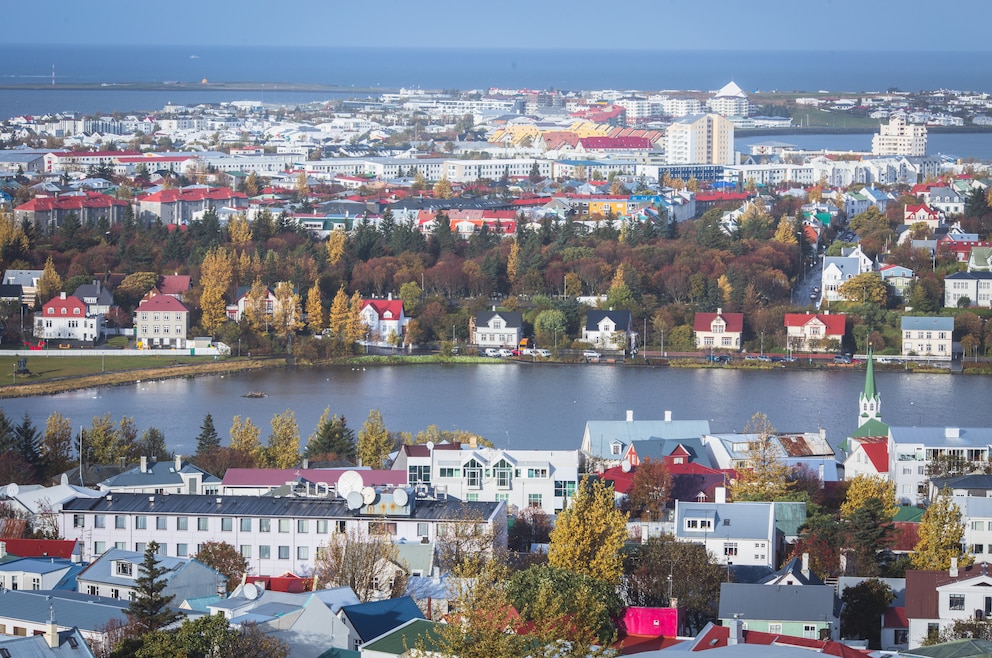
[604, 207]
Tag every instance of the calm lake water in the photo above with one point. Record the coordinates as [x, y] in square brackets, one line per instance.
[522, 405]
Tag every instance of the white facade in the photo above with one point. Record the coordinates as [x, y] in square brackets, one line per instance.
[911, 449]
[739, 534]
[899, 138]
[700, 139]
[976, 286]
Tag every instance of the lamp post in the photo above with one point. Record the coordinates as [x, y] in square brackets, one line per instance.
[762, 343]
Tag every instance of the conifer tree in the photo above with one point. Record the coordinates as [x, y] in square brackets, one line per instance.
[332, 436]
[315, 311]
[208, 439]
[338, 322]
[356, 328]
[26, 441]
[150, 610]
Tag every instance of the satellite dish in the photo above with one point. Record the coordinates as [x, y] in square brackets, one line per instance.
[350, 481]
[354, 499]
[368, 495]
[13, 489]
[430, 446]
[64, 480]
[251, 592]
[400, 496]
[625, 466]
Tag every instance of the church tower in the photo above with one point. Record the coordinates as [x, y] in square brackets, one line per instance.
[869, 402]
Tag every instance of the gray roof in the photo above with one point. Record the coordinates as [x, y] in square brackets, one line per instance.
[200, 505]
[70, 608]
[621, 319]
[513, 319]
[739, 520]
[778, 602]
[416, 557]
[95, 290]
[36, 565]
[157, 473]
[971, 481]
[603, 432]
[943, 437]
[849, 266]
[71, 643]
[22, 277]
[102, 571]
[916, 323]
[981, 276]
[656, 449]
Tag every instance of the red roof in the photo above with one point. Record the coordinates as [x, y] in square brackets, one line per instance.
[835, 323]
[276, 477]
[71, 202]
[198, 194]
[382, 306]
[721, 196]
[95, 154]
[41, 547]
[878, 453]
[734, 321]
[162, 303]
[174, 284]
[288, 582]
[621, 481]
[895, 618]
[72, 305]
[615, 143]
[718, 636]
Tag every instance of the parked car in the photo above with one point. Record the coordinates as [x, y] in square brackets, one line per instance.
[543, 353]
[719, 358]
[591, 355]
[842, 358]
[505, 353]
[491, 351]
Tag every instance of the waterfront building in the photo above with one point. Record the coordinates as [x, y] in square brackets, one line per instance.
[497, 329]
[66, 318]
[161, 321]
[736, 534]
[975, 288]
[912, 449]
[900, 138]
[927, 336]
[809, 331]
[700, 139]
[604, 442]
[718, 330]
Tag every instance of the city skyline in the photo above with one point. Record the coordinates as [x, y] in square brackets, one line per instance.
[761, 25]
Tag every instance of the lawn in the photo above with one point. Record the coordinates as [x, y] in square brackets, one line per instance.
[45, 368]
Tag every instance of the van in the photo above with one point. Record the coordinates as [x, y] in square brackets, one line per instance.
[491, 351]
[505, 353]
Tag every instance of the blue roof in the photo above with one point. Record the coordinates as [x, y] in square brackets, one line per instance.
[373, 619]
[70, 608]
[914, 323]
[163, 472]
[35, 565]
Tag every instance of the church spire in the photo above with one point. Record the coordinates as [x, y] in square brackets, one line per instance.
[869, 402]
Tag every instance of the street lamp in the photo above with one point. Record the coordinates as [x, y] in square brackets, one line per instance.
[762, 343]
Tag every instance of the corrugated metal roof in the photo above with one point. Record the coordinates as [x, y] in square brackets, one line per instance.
[86, 612]
[778, 602]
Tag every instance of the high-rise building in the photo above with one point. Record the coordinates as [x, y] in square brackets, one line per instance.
[899, 138]
[700, 139]
[730, 101]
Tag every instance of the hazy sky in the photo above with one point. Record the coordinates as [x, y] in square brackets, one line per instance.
[634, 24]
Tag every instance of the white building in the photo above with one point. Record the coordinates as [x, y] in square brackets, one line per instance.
[911, 449]
[899, 138]
[700, 139]
[730, 101]
[739, 534]
[927, 336]
[975, 286]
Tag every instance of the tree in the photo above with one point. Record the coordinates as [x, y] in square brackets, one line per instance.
[49, 284]
[245, 438]
[256, 307]
[862, 610]
[649, 490]
[765, 477]
[225, 560]
[152, 444]
[338, 322]
[208, 438]
[589, 534]
[662, 569]
[870, 530]
[864, 487]
[331, 437]
[361, 562]
[940, 535]
[442, 189]
[106, 443]
[56, 444]
[336, 243]
[150, 610]
[867, 287]
[315, 311]
[252, 184]
[467, 544]
[239, 229]
[252, 642]
[283, 450]
[216, 272]
[356, 328]
[26, 441]
[374, 444]
[287, 317]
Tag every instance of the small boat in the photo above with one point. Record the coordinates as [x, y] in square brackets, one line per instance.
[254, 394]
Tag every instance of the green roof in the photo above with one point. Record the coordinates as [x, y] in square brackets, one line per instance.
[908, 514]
[406, 637]
[789, 517]
[969, 648]
[870, 377]
[335, 652]
[872, 427]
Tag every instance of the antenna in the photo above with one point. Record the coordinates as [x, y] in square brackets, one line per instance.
[368, 495]
[350, 481]
[400, 496]
[355, 500]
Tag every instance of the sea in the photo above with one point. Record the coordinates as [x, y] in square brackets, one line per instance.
[373, 68]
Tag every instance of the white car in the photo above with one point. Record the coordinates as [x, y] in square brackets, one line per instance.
[491, 351]
[505, 353]
[544, 353]
[592, 356]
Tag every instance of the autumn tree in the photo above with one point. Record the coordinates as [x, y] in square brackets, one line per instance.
[867, 287]
[374, 444]
[252, 184]
[287, 317]
[56, 444]
[256, 307]
[338, 321]
[245, 438]
[239, 229]
[106, 442]
[442, 188]
[283, 450]
[336, 244]
[765, 477]
[356, 328]
[467, 543]
[940, 535]
[589, 534]
[315, 311]
[649, 490]
[362, 562]
[332, 436]
[149, 610]
[216, 272]
[49, 283]
[862, 488]
[225, 560]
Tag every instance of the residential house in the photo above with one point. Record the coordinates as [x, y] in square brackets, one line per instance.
[114, 574]
[65, 318]
[174, 285]
[236, 311]
[27, 613]
[968, 289]
[368, 621]
[911, 449]
[609, 330]
[36, 573]
[895, 625]
[838, 269]
[867, 457]
[671, 451]
[47, 213]
[36, 503]
[815, 331]
[181, 206]
[497, 328]
[962, 245]
[50, 642]
[97, 298]
[897, 278]
[976, 514]
[927, 336]
[718, 330]
[28, 280]
[403, 641]
[807, 611]
[734, 639]
[980, 259]
[385, 320]
[808, 449]
[915, 213]
[936, 599]
[274, 534]
[162, 477]
[161, 321]
[604, 442]
[947, 200]
[736, 534]
[544, 479]
[302, 482]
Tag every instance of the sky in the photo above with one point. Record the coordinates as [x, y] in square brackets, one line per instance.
[633, 24]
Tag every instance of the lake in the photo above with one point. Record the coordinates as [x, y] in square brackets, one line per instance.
[540, 406]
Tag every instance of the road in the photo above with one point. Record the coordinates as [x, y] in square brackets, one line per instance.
[802, 296]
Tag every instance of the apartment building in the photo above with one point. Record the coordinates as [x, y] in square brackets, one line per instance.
[700, 139]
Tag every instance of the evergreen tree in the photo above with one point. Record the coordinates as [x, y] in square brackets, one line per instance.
[151, 444]
[870, 530]
[7, 439]
[150, 610]
[26, 440]
[332, 436]
[208, 438]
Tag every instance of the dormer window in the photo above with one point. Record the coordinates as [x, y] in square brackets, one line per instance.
[63, 310]
[75, 311]
[124, 568]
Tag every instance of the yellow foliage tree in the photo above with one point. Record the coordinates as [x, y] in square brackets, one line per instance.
[256, 314]
[785, 231]
[283, 450]
[442, 189]
[867, 287]
[245, 438]
[356, 328]
[940, 535]
[864, 487]
[315, 310]
[287, 317]
[765, 478]
[374, 443]
[239, 229]
[512, 262]
[215, 277]
[590, 533]
[338, 322]
[336, 242]
[49, 284]
[252, 184]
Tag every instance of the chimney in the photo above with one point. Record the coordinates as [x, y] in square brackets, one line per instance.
[630, 415]
[3, 549]
[720, 493]
[736, 632]
[52, 634]
[954, 568]
[61, 295]
[719, 311]
[668, 416]
[306, 463]
[144, 464]
[179, 463]
[806, 564]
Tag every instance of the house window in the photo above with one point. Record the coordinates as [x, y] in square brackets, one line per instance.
[263, 552]
[36, 583]
[264, 525]
[139, 547]
[120, 522]
[245, 550]
[182, 550]
[182, 523]
[564, 488]
[340, 526]
[321, 526]
[92, 590]
[420, 473]
[616, 449]
[123, 568]
[140, 523]
[503, 473]
[978, 548]
[423, 530]
[302, 526]
[534, 500]
[775, 629]
[283, 525]
[99, 548]
[382, 528]
[99, 521]
[226, 524]
[115, 593]
[450, 472]
[955, 602]
[302, 553]
[78, 521]
[473, 474]
[202, 523]
[245, 525]
[730, 548]
[537, 472]
[809, 631]
[161, 523]
[284, 552]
